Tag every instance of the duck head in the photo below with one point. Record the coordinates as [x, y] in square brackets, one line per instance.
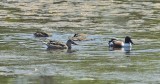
[75, 35]
[69, 42]
[128, 40]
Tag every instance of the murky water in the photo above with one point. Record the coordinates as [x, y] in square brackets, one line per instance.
[25, 60]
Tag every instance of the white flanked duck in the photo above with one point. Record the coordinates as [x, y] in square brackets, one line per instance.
[119, 44]
[60, 45]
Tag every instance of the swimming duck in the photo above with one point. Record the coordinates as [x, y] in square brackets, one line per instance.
[52, 44]
[40, 34]
[79, 37]
[118, 44]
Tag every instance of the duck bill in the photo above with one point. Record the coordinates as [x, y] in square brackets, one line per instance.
[74, 43]
[131, 41]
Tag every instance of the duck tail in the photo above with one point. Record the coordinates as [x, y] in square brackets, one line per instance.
[45, 41]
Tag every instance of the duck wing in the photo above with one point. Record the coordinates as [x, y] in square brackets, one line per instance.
[41, 34]
[56, 45]
[117, 43]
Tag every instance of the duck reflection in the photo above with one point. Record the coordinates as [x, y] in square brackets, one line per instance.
[34, 79]
[59, 51]
[71, 51]
[46, 79]
[123, 49]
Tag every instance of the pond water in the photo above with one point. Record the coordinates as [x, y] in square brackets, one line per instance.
[24, 59]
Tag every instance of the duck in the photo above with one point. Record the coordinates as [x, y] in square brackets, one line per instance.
[40, 34]
[53, 44]
[79, 37]
[119, 44]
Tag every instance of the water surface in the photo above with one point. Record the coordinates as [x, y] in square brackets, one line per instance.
[25, 59]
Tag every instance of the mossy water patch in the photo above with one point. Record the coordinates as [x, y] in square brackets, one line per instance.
[9, 19]
[4, 29]
[147, 34]
[10, 9]
[7, 29]
[7, 79]
[151, 21]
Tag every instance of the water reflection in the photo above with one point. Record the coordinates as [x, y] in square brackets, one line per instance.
[46, 80]
[34, 79]
[71, 51]
[127, 50]
[60, 51]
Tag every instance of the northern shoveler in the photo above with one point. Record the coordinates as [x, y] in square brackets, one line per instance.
[79, 37]
[118, 44]
[40, 34]
[60, 45]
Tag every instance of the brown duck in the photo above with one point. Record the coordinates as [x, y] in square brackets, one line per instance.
[40, 34]
[79, 37]
[60, 45]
